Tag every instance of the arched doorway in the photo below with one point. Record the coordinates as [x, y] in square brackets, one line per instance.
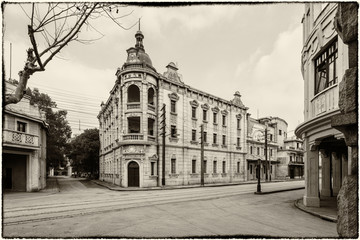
[133, 174]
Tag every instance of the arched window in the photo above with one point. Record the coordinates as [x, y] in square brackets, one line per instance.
[151, 96]
[133, 94]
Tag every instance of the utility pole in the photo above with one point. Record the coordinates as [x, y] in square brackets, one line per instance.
[202, 154]
[266, 154]
[163, 143]
[10, 58]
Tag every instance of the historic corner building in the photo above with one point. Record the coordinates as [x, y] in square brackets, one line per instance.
[284, 158]
[23, 145]
[324, 61]
[143, 103]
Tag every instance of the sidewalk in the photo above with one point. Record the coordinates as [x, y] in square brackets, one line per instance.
[326, 211]
[118, 188]
[52, 185]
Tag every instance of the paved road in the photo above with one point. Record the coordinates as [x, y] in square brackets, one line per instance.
[83, 209]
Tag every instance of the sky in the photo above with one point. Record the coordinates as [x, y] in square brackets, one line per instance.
[220, 49]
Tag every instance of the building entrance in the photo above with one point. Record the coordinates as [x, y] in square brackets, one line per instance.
[133, 174]
[14, 172]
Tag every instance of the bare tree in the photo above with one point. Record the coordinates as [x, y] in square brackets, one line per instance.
[57, 24]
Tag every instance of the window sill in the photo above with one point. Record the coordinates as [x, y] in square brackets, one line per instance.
[173, 139]
[194, 175]
[173, 175]
[215, 124]
[238, 148]
[215, 145]
[194, 119]
[205, 121]
[173, 113]
[194, 142]
[224, 146]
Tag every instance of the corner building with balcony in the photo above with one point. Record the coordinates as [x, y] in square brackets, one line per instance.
[131, 124]
[324, 61]
[23, 145]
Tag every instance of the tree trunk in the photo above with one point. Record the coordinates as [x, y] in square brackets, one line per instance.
[21, 88]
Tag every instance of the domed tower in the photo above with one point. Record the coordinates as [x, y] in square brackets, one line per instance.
[137, 91]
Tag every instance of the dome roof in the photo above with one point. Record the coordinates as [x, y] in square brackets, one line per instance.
[137, 54]
[144, 58]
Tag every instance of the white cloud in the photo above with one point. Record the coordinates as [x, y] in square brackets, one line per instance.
[275, 82]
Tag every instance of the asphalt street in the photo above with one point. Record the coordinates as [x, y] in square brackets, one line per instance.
[84, 209]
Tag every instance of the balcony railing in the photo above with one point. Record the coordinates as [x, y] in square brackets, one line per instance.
[325, 101]
[134, 136]
[15, 137]
[133, 106]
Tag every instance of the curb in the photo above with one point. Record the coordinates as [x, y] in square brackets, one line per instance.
[324, 217]
[117, 188]
[280, 190]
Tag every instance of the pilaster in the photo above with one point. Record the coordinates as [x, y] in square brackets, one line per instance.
[311, 197]
[325, 174]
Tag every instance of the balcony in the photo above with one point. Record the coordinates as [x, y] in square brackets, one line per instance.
[135, 105]
[324, 101]
[20, 138]
[134, 136]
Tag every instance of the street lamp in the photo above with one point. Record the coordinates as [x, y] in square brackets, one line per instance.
[258, 189]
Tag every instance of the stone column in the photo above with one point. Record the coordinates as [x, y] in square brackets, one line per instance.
[336, 166]
[311, 197]
[346, 24]
[344, 167]
[325, 174]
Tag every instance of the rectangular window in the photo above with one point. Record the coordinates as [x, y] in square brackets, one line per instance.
[173, 131]
[21, 126]
[152, 168]
[251, 150]
[214, 138]
[205, 166]
[271, 137]
[173, 106]
[250, 169]
[290, 158]
[325, 68]
[193, 112]
[173, 165]
[224, 140]
[193, 135]
[204, 115]
[223, 120]
[134, 124]
[271, 152]
[224, 167]
[151, 126]
[238, 142]
[205, 137]
[258, 151]
[238, 167]
[238, 123]
[193, 166]
[280, 132]
[215, 167]
[215, 117]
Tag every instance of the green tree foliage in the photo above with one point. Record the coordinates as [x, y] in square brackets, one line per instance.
[84, 152]
[59, 129]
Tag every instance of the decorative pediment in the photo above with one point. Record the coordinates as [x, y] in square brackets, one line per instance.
[154, 157]
[237, 100]
[174, 96]
[215, 109]
[224, 112]
[205, 106]
[172, 73]
[238, 116]
[194, 103]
